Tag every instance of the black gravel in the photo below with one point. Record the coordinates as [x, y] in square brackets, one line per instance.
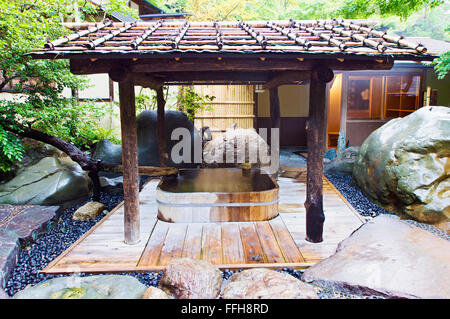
[350, 190]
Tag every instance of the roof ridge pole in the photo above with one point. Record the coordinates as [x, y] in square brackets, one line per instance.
[289, 35]
[94, 43]
[77, 35]
[145, 34]
[261, 39]
[383, 34]
[181, 32]
[219, 35]
[330, 38]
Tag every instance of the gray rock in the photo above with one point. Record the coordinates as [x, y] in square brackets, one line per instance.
[147, 140]
[154, 293]
[330, 154]
[3, 294]
[20, 225]
[186, 278]
[389, 257]
[262, 283]
[94, 287]
[51, 181]
[343, 163]
[403, 165]
[243, 143]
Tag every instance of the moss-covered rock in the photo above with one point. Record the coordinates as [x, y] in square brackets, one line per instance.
[405, 165]
[94, 287]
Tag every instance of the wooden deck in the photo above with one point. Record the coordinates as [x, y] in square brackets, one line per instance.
[279, 242]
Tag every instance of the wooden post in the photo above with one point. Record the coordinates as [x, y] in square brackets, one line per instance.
[316, 138]
[129, 162]
[274, 118]
[161, 130]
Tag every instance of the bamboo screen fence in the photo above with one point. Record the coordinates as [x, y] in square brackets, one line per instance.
[233, 104]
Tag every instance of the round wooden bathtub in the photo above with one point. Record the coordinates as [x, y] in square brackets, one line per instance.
[217, 195]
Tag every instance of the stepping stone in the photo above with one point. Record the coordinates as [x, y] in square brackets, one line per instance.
[389, 257]
[20, 225]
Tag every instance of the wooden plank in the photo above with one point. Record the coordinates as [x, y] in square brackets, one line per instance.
[233, 251]
[290, 250]
[212, 243]
[173, 245]
[269, 243]
[152, 251]
[253, 251]
[193, 241]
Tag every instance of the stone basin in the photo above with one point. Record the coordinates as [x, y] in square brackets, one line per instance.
[217, 195]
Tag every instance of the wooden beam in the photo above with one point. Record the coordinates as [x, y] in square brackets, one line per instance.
[274, 118]
[251, 64]
[129, 162]
[161, 130]
[287, 77]
[315, 129]
[121, 73]
[148, 170]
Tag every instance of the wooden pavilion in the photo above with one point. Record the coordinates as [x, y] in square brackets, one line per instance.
[272, 53]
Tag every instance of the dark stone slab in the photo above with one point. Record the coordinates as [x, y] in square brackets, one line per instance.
[20, 225]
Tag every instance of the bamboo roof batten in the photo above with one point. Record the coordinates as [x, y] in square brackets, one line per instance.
[98, 26]
[181, 32]
[291, 36]
[261, 39]
[219, 35]
[94, 43]
[145, 34]
[361, 37]
[326, 36]
[383, 34]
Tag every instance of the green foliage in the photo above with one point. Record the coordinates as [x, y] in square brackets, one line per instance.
[367, 8]
[146, 100]
[11, 150]
[41, 104]
[191, 102]
[442, 65]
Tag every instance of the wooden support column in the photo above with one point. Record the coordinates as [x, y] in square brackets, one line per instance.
[161, 130]
[129, 162]
[315, 139]
[274, 118]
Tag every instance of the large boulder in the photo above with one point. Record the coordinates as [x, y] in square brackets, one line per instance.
[242, 145]
[51, 181]
[148, 152]
[186, 278]
[390, 257]
[405, 167]
[93, 287]
[262, 283]
[343, 163]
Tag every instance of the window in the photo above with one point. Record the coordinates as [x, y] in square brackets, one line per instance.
[402, 95]
[359, 96]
